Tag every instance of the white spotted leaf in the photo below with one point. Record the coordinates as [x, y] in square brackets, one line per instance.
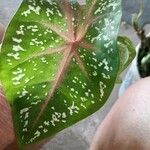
[58, 64]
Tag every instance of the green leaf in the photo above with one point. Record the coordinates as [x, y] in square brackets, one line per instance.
[136, 17]
[57, 63]
[127, 53]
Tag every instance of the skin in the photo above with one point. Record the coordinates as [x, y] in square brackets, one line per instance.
[6, 127]
[127, 125]
[1, 32]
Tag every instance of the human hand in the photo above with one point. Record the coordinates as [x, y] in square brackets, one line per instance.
[6, 127]
[127, 125]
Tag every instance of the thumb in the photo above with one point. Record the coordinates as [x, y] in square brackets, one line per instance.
[1, 32]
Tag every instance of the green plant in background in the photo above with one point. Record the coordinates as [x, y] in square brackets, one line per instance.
[59, 63]
[144, 50]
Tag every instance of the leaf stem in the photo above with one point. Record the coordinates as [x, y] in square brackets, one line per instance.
[68, 54]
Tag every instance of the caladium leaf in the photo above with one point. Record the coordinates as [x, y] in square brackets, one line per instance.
[59, 63]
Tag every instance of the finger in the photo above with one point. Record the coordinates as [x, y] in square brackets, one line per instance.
[126, 127]
[1, 32]
[6, 126]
